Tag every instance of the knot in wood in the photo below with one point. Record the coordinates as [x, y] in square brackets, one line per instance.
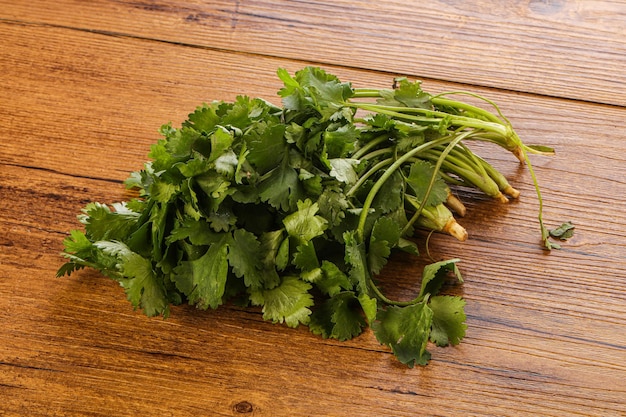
[243, 407]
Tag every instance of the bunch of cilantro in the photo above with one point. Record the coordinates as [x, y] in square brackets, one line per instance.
[296, 209]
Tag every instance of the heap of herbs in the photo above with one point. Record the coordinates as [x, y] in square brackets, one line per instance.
[296, 209]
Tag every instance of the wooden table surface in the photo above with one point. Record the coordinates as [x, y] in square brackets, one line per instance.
[85, 85]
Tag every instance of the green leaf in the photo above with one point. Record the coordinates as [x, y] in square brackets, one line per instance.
[305, 257]
[158, 218]
[180, 142]
[448, 320]
[312, 183]
[292, 94]
[226, 164]
[333, 205]
[305, 224]
[221, 140]
[204, 118]
[163, 191]
[198, 232]
[385, 236]
[203, 280]
[355, 257]
[435, 274]
[289, 302]
[333, 280]
[78, 249]
[216, 187]
[314, 89]
[369, 306]
[76, 242]
[343, 169]
[143, 288]
[419, 178]
[282, 188]
[244, 256]
[406, 94]
[101, 223]
[563, 232]
[339, 317]
[222, 219]
[341, 141]
[194, 166]
[389, 197]
[282, 257]
[406, 331]
[266, 145]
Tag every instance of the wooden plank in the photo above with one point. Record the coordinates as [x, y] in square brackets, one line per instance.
[73, 346]
[545, 332]
[573, 49]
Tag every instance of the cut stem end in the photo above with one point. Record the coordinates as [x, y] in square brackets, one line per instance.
[454, 229]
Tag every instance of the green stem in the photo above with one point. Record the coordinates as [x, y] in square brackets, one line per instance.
[433, 178]
[366, 93]
[389, 301]
[368, 174]
[433, 117]
[438, 100]
[369, 145]
[387, 174]
[545, 234]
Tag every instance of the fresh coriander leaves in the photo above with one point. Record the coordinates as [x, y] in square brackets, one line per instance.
[297, 209]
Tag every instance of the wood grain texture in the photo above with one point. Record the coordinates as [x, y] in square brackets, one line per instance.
[573, 49]
[546, 333]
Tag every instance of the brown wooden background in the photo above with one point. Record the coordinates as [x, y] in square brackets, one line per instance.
[84, 86]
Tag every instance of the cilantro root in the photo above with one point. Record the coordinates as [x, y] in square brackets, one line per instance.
[296, 209]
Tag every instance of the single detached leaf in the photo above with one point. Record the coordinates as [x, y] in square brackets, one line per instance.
[406, 331]
[448, 320]
[563, 232]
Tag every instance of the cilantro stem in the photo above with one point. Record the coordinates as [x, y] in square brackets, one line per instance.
[380, 165]
[396, 165]
[433, 117]
[439, 100]
[470, 174]
[369, 145]
[433, 178]
[545, 234]
[389, 301]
